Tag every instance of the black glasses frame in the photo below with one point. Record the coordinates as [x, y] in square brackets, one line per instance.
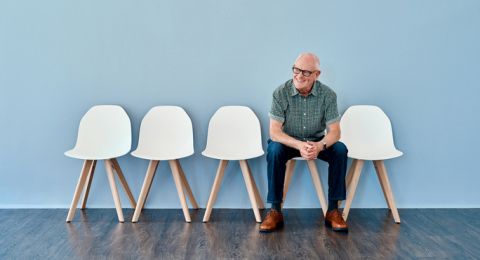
[306, 73]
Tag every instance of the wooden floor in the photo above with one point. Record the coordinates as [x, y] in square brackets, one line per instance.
[233, 233]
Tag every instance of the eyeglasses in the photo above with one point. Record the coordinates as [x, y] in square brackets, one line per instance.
[305, 73]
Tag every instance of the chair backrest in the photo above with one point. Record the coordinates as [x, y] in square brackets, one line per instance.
[234, 133]
[165, 134]
[104, 132]
[367, 132]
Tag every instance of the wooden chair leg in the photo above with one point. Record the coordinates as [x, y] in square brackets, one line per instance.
[348, 178]
[215, 188]
[119, 172]
[150, 185]
[111, 179]
[153, 167]
[318, 185]
[382, 185]
[288, 178]
[147, 183]
[259, 199]
[186, 186]
[89, 183]
[78, 190]
[353, 186]
[181, 194]
[250, 190]
[387, 189]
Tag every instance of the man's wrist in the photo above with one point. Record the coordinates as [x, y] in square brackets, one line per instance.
[323, 145]
[300, 145]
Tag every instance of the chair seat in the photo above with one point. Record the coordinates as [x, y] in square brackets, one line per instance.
[104, 133]
[163, 156]
[233, 155]
[299, 158]
[374, 154]
[92, 155]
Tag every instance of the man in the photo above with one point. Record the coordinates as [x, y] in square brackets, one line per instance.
[302, 108]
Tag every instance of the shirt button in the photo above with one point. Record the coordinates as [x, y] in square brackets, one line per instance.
[304, 114]
[304, 127]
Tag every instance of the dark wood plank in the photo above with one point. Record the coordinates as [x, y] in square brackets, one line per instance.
[233, 233]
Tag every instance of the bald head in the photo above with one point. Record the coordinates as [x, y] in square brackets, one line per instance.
[309, 58]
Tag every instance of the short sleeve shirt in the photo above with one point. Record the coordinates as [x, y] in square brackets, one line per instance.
[304, 118]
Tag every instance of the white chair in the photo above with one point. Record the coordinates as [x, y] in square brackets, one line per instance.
[234, 134]
[104, 134]
[165, 134]
[367, 132]
[315, 178]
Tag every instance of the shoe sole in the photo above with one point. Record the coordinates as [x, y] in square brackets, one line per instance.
[328, 224]
[271, 230]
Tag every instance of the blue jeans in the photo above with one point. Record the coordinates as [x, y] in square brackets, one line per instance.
[278, 155]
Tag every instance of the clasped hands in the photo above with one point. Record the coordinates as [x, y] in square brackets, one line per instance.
[309, 150]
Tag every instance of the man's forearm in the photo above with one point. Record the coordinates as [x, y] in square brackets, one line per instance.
[285, 139]
[330, 138]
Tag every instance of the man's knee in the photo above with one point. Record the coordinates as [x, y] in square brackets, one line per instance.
[340, 150]
[275, 151]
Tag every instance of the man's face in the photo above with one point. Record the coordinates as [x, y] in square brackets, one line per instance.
[304, 65]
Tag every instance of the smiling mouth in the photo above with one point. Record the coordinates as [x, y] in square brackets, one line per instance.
[300, 81]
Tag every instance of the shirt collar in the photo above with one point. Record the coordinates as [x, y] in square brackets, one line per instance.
[315, 90]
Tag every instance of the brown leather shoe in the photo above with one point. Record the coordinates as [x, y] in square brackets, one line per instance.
[335, 220]
[273, 221]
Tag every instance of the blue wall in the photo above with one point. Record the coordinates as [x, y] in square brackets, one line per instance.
[418, 60]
